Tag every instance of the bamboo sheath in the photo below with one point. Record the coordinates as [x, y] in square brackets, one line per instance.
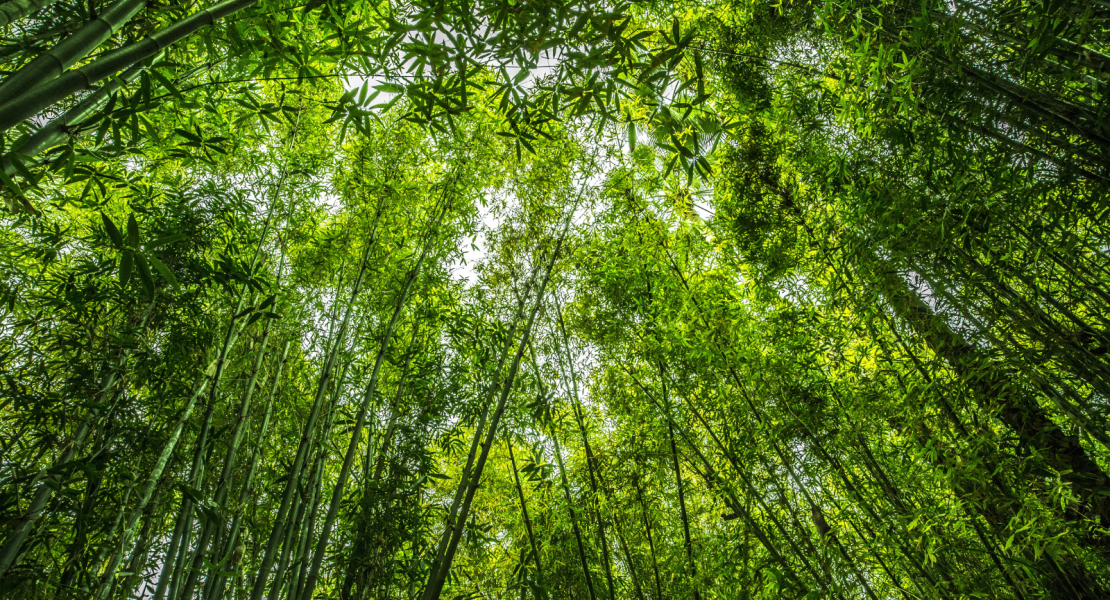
[28, 104]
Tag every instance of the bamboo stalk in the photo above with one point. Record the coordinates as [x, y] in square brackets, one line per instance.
[159, 466]
[30, 103]
[52, 63]
[360, 421]
[436, 580]
[14, 10]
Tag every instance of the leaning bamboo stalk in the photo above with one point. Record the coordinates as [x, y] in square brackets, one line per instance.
[300, 558]
[436, 581]
[380, 452]
[57, 131]
[232, 453]
[52, 63]
[168, 561]
[215, 590]
[368, 396]
[688, 544]
[14, 10]
[994, 390]
[310, 425]
[131, 527]
[43, 96]
[591, 461]
[734, 498]
[651, 541]
[524, 510]
[573, 516]
[10, 551]
[460, 490]
[230, 460]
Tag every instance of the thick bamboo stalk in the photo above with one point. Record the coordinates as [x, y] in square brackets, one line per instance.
[14, 10]
[58, 130]
[43, 96]
[52, 63]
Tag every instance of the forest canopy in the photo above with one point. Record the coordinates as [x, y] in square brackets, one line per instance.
[550, 299]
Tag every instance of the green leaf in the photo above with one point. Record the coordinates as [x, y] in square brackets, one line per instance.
[17, 162]
[166, 83]
[113, 231]
[164, 240]
[132, 231]
[162, 269]
[15, 189]
[144, 275]
[389, 88]
[125, 264]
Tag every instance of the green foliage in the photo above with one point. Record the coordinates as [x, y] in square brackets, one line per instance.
[552, 299]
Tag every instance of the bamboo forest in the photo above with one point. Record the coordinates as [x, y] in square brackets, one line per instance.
[554, 299]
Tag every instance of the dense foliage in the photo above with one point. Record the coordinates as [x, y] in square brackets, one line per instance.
[554, 299]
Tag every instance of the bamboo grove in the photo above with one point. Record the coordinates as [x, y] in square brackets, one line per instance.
[554, 299]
